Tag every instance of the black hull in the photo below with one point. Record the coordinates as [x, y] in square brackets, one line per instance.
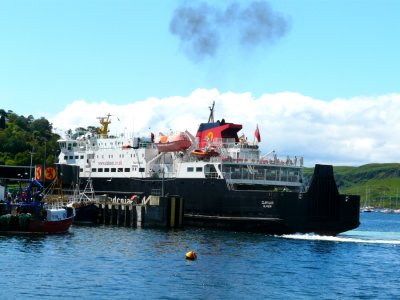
[86, 214]
[209, 203]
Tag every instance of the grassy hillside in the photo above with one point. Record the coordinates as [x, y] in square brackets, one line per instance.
[377, 184]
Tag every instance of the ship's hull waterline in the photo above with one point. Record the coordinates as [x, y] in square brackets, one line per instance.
[209, 203]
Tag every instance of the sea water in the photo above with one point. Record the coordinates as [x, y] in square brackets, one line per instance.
[108, 262]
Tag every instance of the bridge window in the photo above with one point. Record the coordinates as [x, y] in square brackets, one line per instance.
[190, 169]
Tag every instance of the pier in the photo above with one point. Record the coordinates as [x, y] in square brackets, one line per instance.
[153, 212]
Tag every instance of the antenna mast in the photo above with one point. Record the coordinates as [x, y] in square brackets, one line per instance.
[211, 117]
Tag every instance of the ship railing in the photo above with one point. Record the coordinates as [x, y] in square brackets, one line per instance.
[232, 143]
[214, 159]
[227, 145]
[295, 162]
[247, 177]
[272, 157]
[216, 142]
[225, 158]
[222, 143]
[245, 146]
[231, 182]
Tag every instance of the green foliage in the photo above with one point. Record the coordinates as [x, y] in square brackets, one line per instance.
[2, 118]
[20, 136]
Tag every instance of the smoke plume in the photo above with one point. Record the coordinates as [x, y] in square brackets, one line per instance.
[202, 29]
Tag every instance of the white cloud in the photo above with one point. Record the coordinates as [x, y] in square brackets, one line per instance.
[351, 131]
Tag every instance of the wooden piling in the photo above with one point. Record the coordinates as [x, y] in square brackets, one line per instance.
[164, 212]
[132, 213]
[139, 216]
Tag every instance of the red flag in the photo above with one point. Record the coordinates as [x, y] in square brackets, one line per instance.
[257, 134]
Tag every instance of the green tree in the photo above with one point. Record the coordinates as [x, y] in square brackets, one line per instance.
[20, 136]
[43, 127]
[3, 116]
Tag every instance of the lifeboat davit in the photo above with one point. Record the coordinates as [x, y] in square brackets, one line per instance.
[171, 143]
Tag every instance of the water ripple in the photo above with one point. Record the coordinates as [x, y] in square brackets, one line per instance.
[111, 262]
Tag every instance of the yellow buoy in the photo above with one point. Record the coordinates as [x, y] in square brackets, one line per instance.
[191, 255]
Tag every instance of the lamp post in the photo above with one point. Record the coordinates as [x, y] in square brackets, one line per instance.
[30, 166]
[44, 163]
[19, 195]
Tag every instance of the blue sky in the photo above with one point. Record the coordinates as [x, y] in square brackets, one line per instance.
[122, 52]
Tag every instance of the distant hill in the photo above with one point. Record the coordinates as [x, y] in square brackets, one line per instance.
[377, 184]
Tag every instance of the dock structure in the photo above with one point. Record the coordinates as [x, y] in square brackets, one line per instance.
[154, 211]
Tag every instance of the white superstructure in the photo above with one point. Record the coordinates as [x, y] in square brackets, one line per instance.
[100, 155]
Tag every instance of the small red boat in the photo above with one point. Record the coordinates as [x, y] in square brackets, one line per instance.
[30, 214]
[172, 143]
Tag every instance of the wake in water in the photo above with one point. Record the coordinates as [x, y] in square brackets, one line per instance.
[370, 237]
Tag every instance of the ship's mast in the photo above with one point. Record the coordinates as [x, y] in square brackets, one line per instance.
[104, 121]
[211, 117]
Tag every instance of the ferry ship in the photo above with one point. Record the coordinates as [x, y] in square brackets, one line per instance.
[224, 180]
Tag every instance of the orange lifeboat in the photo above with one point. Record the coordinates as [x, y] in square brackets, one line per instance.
[171, 143]
[205, 153]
